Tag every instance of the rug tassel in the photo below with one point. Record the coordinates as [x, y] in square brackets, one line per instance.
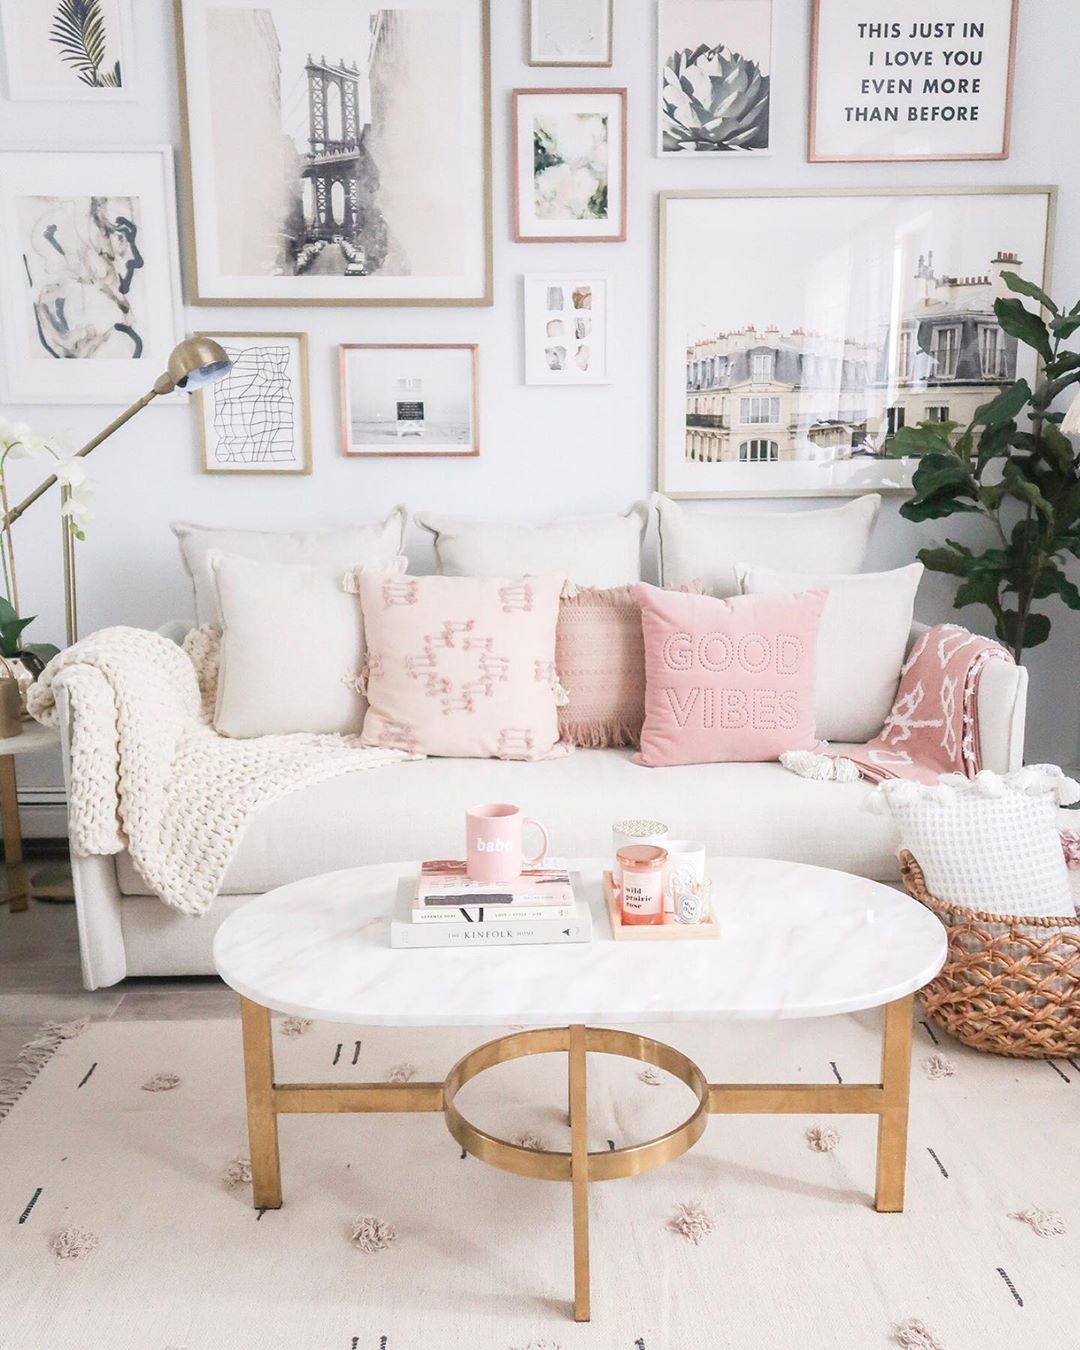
[916, 1335]
[33, 1057]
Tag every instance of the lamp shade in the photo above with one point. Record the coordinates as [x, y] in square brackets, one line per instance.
[197, 361]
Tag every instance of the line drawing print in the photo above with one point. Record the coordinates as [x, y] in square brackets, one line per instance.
[254, 417]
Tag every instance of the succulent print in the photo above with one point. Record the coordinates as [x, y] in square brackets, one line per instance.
[78, 29]
[714, 99]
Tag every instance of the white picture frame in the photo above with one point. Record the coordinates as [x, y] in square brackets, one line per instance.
[571, 33]
[48, 59]
[89, 273]
[403, 400]
[313, 181]
[700, 45]
[569, 166]
[257, 418]
[579, 304]
[923, 105]
[829, 319]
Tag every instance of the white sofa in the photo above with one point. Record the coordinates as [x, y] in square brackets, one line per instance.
[414, 810]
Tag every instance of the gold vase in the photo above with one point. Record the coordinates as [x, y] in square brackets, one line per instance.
[11, 707]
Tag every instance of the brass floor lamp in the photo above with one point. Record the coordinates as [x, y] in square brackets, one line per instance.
[194, 363]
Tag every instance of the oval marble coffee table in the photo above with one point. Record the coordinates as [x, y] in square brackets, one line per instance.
[795, 941]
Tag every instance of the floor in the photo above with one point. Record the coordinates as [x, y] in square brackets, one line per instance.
[40, 982]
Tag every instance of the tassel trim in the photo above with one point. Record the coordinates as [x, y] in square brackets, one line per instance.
[33, 1057]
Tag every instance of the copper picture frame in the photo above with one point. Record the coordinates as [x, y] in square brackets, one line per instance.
[411, 415]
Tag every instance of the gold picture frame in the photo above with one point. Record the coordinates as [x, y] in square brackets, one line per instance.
[382, 444]
[301, 402]
[761, 270]
[214, 286]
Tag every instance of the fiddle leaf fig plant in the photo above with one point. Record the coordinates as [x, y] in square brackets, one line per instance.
[1021, 476]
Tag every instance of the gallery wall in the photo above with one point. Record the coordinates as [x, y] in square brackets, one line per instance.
[546, 452]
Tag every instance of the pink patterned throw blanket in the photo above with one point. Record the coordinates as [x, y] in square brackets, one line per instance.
[932, 728]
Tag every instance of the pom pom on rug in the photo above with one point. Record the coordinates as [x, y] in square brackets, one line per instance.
[939, 1066]
[237, 1173]
[401, 1073]
[651, 1077]
[822, 1138]
[916, 1335]
[370, 1234]
[1044, 1222]
[162, 1082]
[538, 1345]
[294, 1026]
[692, 1221]
[73, 1244]
[528, 1140]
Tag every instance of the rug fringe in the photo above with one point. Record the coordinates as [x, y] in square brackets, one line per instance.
[33, 1057]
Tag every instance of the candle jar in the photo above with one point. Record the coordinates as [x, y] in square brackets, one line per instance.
[641, 894]
[625, 833]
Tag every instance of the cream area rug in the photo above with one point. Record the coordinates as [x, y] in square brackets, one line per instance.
[127, 1221]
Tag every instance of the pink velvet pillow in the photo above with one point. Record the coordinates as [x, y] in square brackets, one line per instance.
[728, 680]
[600, 656]
[460, 666]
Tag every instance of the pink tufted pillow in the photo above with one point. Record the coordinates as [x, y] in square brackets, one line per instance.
[728, 680]
[460, 666]
[600, 655]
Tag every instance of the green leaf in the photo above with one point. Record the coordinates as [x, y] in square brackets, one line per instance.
[1036, 629]
[1065, 328]
[928, 438]
[15, 627]
[938, 473]
[1022, 286]
[1057, 448]
[993, 442]
[7, 612]
[1004, 407]
[978, 590]
[1059, 584]
[949, 560]
[44, 651]
[1026, 327]
[1026, 491]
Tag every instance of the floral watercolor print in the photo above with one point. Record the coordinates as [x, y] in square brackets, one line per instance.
[715, 84]
[66, 50]
[570, 166]
[82, 260]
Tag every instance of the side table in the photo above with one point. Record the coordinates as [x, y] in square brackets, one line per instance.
[33, 740]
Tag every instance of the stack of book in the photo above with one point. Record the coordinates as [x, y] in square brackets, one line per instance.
[446, 908]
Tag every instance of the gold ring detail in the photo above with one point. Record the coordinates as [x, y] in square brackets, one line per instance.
[549, 1165]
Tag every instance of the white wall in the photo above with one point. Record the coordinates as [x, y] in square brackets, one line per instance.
[546, 451]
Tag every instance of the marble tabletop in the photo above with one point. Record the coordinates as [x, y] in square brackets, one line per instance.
[795, 941]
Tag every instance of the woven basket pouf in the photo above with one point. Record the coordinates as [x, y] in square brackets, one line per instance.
[1010, 984]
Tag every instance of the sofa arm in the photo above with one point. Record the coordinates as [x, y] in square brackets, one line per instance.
[1000, 711]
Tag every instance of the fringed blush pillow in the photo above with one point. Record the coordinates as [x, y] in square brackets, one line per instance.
[600, 656]
[460, 666]
[728, 680]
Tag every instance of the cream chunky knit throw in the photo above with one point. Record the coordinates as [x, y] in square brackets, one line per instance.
[148, 772]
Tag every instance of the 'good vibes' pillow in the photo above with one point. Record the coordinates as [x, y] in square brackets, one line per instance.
[728, 680]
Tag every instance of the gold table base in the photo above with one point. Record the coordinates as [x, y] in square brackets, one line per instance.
[888, 1100]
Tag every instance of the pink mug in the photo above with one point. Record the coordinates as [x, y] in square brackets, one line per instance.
[493, 835]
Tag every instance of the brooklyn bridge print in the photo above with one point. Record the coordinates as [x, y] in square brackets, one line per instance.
[337, 149]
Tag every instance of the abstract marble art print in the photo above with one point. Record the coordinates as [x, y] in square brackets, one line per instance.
[567, 328]
[89, 275]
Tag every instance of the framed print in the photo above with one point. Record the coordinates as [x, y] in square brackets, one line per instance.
[89, 274]
[66, 51]
[401, 400]
[570, 32]
[257, 418]
[715, 77]
[887, 83]
[337, 153]
[569, 166]
[567, 328]
[790, 357]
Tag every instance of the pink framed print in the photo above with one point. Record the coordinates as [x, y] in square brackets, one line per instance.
[895, 85]
[401, 400]
[569, 166]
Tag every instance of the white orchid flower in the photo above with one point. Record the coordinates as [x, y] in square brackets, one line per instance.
[70, 470]
[78, 507]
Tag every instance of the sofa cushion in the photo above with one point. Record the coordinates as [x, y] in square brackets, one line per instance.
[710, 545]
[861, 645]
[335, 550]
[414, 810]
[590, 550]
[461, 666]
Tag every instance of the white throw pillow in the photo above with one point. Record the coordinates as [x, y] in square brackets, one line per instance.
[335, 551]
[291, 641]
[707, 545]
[989, 843]
[600, 551]
[861, 642]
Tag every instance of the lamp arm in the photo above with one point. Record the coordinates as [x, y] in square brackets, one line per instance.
[16, 511]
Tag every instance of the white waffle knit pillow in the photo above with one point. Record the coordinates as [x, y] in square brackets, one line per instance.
[990, 843]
